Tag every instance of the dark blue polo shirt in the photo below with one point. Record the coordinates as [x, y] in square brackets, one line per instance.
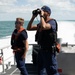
[53, 24]
[22, 36]
[18, 38]
[46, 37]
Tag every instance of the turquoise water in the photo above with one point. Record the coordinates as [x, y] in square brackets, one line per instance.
[66, 29]
[7, 27]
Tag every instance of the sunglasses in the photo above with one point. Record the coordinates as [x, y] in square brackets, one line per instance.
[17, 22]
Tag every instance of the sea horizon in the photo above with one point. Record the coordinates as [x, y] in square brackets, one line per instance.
[36, 20]
[66, 29]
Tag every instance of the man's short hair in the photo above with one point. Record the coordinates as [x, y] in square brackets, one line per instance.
[21, 20]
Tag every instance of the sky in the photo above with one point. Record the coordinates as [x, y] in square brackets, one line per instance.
[11, 9]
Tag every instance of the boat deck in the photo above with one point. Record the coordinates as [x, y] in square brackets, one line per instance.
[32, 70]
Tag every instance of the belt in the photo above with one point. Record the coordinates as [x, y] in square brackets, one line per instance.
[18, 49]
[48, 49]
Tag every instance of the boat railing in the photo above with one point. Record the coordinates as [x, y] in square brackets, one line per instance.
[2, 60]
[66, 45]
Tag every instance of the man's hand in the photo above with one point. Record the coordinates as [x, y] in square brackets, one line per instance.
[23, 56]
[42, 13]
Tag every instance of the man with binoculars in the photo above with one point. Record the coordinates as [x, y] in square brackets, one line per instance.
[46, 28]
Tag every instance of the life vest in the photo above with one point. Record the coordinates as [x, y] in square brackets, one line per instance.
[47, 38]
[14, 39]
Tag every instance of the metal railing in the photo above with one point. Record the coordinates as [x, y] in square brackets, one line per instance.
[3, 60]
[66, 45]
[2, 56]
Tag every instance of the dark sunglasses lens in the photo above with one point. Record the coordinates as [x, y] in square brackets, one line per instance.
[17, 23]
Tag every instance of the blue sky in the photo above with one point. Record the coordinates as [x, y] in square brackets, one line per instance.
[61, 9]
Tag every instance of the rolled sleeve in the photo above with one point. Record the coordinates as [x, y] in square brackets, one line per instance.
[53, 25]
[24, 35]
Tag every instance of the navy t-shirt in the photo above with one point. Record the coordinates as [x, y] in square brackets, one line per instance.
[46, 37]
[17, 39]
[53, 24]
[22, 36]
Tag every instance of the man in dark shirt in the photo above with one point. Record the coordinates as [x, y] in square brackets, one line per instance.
[45, 38]
[19, 44]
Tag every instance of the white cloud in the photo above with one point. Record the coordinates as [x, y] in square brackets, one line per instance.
[34, 1]
[7, 2]
[62, 4]
[66, 5]
[17, 7]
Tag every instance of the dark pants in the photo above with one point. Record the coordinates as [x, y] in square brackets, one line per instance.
[20, 63]
[47, 64]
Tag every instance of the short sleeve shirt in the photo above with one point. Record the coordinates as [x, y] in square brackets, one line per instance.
[53, 25]
[23, 36]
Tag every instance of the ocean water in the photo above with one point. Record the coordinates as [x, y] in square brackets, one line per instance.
[66, 30]
[7, 27]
